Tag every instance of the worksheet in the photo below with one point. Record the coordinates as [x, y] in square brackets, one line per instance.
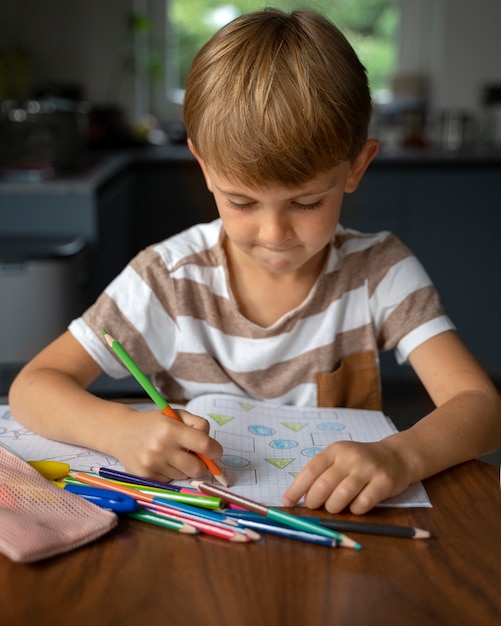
[265, 445]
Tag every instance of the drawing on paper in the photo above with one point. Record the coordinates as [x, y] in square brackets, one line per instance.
[265, 445]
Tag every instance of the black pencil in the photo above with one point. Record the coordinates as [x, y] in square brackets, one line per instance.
[340, 525]
[390, 530]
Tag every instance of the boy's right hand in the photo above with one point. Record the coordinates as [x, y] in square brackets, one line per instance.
[155, 446]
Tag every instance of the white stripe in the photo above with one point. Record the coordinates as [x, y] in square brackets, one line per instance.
[362, 241]
[213, 277]
[186, 243]
[142, 308]
[302, 395]
[245, 354]
[421, 334]
[358, 243]
[97, 349]
[402, 279]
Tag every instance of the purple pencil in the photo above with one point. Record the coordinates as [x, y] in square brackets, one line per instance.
[113, 474]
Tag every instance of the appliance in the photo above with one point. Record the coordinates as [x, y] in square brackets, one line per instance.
[47, 135]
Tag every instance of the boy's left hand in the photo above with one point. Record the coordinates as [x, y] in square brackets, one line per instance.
[350, 474]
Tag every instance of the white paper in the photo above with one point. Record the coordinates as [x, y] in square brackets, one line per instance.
[265, 445]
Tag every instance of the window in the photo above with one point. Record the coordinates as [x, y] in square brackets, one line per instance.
[370, 26]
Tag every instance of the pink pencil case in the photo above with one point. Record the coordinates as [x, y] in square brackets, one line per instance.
[38, 519]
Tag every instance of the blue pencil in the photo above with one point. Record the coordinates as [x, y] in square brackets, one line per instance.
[290, 533]
[213, 516]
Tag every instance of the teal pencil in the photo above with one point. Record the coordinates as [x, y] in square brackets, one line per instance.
[293, 521]
[150, 517]
[289, 533]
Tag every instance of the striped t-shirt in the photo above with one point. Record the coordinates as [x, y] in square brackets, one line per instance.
[173, 310]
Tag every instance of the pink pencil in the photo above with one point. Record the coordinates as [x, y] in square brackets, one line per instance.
[205, 527]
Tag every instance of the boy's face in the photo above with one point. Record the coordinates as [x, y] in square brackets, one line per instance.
[279, 229]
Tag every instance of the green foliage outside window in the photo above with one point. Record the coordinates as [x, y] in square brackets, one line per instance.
[369, 25]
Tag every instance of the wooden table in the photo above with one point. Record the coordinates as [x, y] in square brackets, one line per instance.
[140, 574]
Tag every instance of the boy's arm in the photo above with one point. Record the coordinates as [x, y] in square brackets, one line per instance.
[467, 421]
[49, 397]
[465, 425]
[45, 394]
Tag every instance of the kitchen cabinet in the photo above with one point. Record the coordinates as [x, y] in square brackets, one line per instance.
[97, 204]
[445, 208]
[171, 196]
[449, 214]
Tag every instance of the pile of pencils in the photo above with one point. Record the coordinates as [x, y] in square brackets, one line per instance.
[211, 509]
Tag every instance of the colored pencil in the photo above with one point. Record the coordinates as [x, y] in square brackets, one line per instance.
[287, 519]
[157, 398]
[200, 499]
[389, 530]
[158, 504]
[114, 474]
[151, 517]
[208, 502]
[195, 517]
[97, 481]
[223, 532]
[290, 533]
[209, 515]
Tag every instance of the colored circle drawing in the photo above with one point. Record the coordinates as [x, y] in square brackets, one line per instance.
[232, 460]
[331, 426]
[263, 431]
[309, 452]
[283, 444]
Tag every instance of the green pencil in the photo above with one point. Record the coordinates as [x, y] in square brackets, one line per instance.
[157, 398]
[163, 521]
[136, 371]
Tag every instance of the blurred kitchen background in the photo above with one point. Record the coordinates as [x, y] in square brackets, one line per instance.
[94, 165]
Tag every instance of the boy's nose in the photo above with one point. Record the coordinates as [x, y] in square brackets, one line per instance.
[275, 229]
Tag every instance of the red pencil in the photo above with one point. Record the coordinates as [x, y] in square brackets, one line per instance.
[205, 527]
[151, 502]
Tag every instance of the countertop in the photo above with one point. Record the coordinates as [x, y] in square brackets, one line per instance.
[99, 167]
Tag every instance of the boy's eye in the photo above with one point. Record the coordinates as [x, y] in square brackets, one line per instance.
[308, 207]
[239, 205]
[297, 205]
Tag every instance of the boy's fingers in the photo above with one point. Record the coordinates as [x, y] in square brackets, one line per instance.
[343, 495]
[302, 483]
[374, 492]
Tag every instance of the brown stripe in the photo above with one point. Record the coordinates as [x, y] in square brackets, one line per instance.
[122, 330]
[372, 263]
[418, 308]
[279, 378]
[190, 298]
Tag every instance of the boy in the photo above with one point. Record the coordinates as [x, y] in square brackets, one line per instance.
[275, 300]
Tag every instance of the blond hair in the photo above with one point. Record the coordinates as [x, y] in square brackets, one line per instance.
[277, 98]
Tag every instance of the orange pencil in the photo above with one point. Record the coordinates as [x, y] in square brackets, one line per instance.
[158, 399]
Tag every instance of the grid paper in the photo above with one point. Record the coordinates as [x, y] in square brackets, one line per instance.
[265, 445]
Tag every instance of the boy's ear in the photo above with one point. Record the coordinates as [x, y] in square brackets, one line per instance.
[202, 164]
[360, 164]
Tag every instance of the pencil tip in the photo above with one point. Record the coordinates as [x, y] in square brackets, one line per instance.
[241, 538]
[419, 533]
[108, 338]
[222, 480]
[104, 332]
[348, 542]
